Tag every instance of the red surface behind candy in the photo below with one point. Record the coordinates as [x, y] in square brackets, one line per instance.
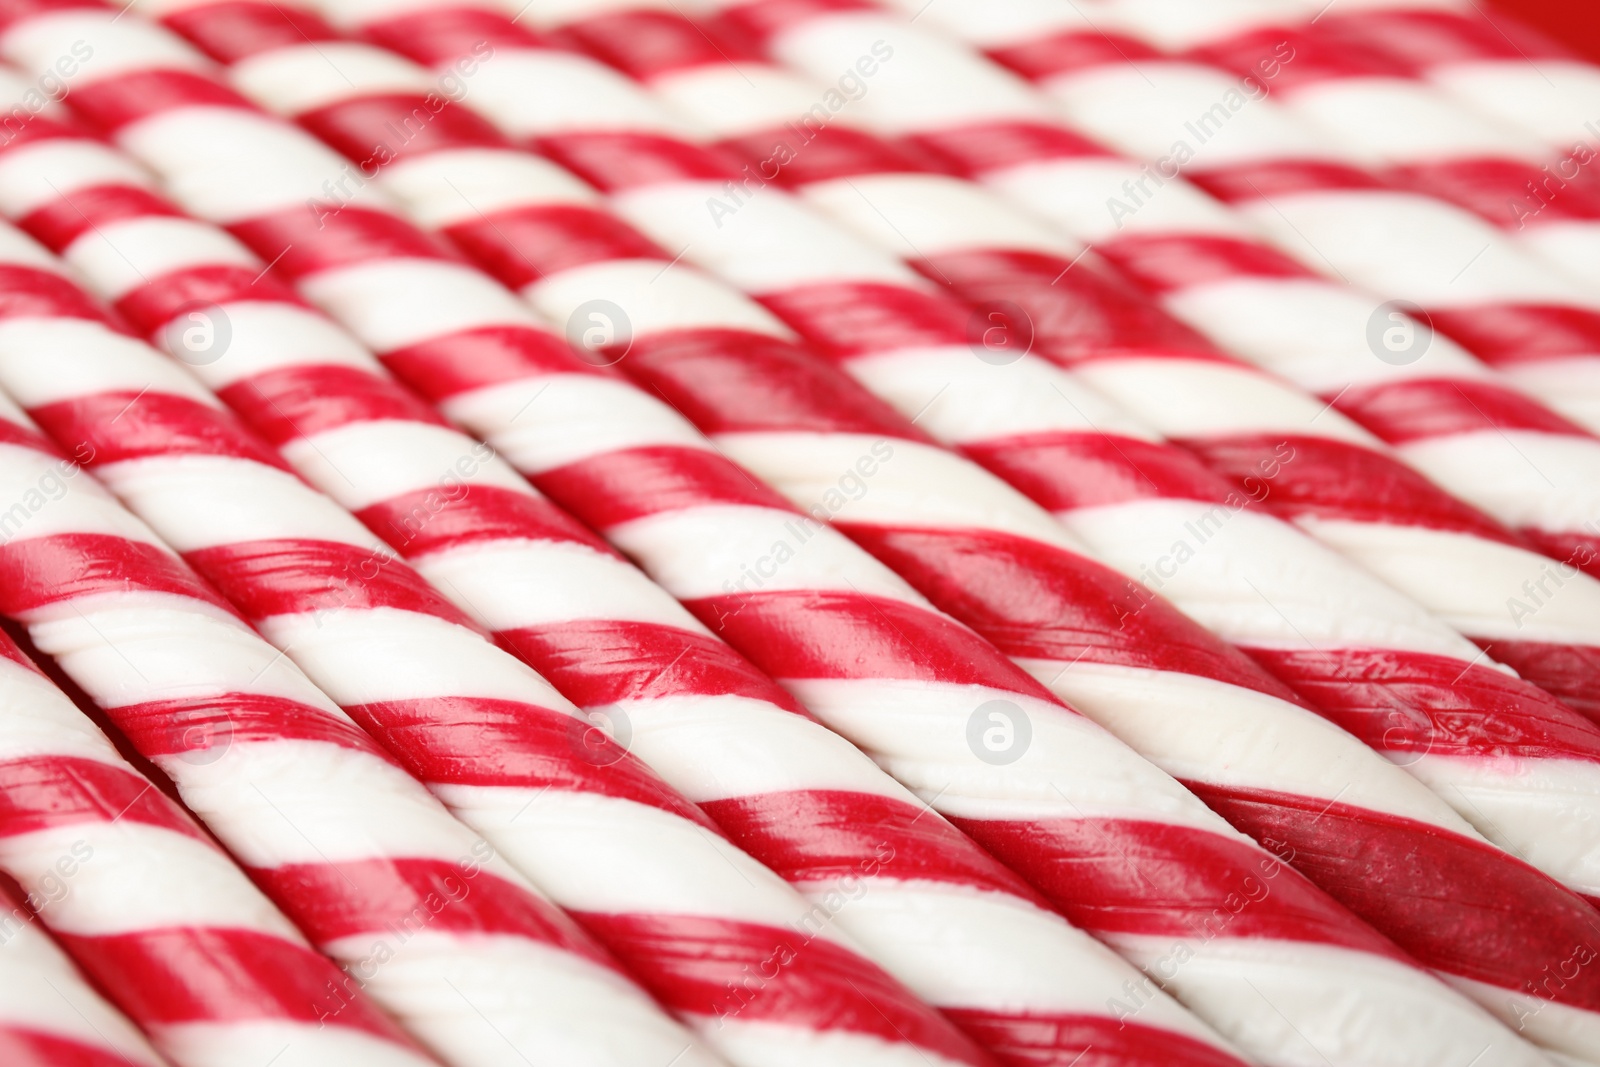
[1576, 25]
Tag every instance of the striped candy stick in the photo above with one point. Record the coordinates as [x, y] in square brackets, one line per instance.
[1298, 162]
[1057, 450]
[504, 751]
[1352, 494]
[1345, 144]
[960, 673]
[426, 917]
[1495, 64]
[1505, 71]
[50, 1016]
[1421, 40]
[520, 541]
[1552, 208]
[960, 639]
[703, 725]
[1540, 195]
[122, 615]
[259, 73]
[149, 907]
[1478, 437]
[1362, 106]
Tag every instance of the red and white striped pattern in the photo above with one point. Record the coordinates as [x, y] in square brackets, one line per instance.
[1002, 933]
[1506, 72]
[49, 1016]
[1343, 486]
[703, 725]
[1332, 165]
[813, 624]
[1066, 447]
[341, 837]
[1535, 325]
[640, 865]
[1446, 414]
[333, 104]
[150, 908]
[278, 774]
[1360, 105]
[1012, 925]
[1491, 62]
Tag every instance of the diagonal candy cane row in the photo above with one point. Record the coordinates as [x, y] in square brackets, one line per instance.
[1360, 106]
[1499, 67]
[1020, 1026]
[1418, 49]
[707, 736]
[838, 629]
[1343, 487]
[900, 376]
[49, 1015]
[427, 918]
[1509, 73]
[1519, 459]
[1348, 80]
[259, 73]
[640, 865]
[148, 906]
[1298, 163]
[1445, 413]
[809, 389]
[1038, 430]
[124, 618]
[703, 724]
[63, 788]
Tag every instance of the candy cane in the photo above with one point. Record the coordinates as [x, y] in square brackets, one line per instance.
[1058, 447]
[1491, 62]
[149, 907]
[865, 695]
[1345, 81]
[1480, 439]
[1484, 285]
[1531, 322]
[704, 723]
[270, 70]
[123, 617]
[721, 901]
[1547, 93]
[49, 1015]
[651, 203]
[1508, 170]
[354, 850]
[606, 836]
